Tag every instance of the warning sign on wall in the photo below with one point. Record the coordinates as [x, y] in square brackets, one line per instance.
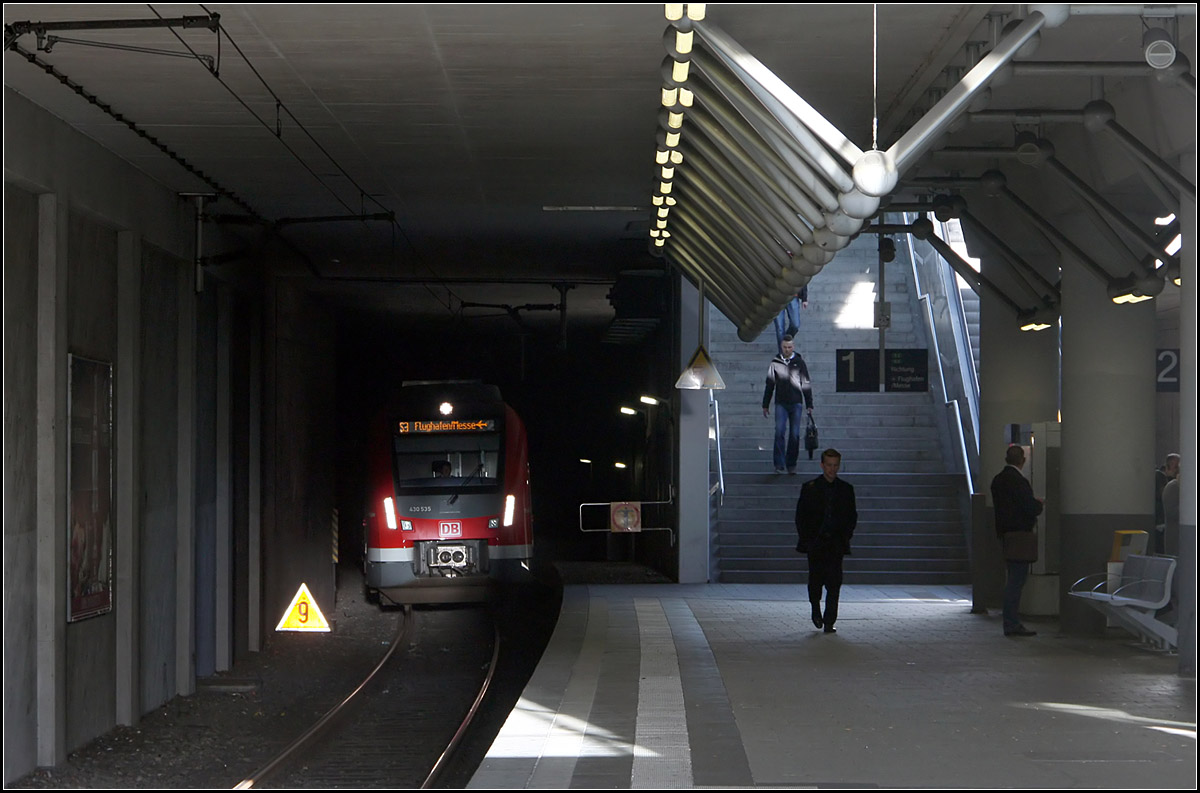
[303, 614]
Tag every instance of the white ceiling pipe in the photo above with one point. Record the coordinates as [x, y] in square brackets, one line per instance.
[1016, 263]
[730, 307]
[877, 175]
[805, 154]
[1057, 13]
[736, 296]
[743, 223]
[736, 234]
[701, 266]
[773, 236]
[772, 91]
[781, 270]
[1148, 244]
[745, 161]
[797, 189]
[994, 183]
[709, 162]
[737, 271]
[1100, 116]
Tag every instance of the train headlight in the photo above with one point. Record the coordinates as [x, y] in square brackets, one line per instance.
[390, 509]
[510, 505]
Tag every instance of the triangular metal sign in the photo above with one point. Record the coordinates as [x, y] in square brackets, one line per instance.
[700, 372]
[303, 614]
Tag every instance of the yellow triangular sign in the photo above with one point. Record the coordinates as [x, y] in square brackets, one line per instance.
[303, 614]
[700, 372]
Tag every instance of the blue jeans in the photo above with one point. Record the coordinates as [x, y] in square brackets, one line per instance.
[1017, 573]
[787, 322]
[788, 423]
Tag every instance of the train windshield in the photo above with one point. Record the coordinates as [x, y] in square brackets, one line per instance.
[467, 463]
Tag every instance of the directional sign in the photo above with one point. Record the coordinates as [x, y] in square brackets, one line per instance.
[303, 614]
[858, 370]
[906, 370]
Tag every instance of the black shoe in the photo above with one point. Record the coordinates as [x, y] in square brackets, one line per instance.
[830, 629]
[1020, 630]
[817, 619]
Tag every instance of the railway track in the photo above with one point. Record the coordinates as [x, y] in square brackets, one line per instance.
[421, 718]
[399, 727]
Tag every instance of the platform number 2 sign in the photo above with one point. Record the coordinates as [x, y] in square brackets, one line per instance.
[1167, 369]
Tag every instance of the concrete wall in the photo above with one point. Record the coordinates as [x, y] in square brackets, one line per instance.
[20, 482]
[77, 220]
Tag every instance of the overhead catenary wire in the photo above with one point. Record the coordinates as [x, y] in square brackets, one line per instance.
[277, 132]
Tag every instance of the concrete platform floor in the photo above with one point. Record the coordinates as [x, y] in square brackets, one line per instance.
[679, 686]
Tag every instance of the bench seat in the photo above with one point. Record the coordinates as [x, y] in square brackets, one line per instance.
[1144, 588]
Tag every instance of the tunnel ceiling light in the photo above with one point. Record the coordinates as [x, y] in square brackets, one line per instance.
[445, 408]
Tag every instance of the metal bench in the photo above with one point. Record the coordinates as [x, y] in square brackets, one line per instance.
[1144, 588]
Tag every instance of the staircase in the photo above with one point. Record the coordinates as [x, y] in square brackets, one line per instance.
[911, 523]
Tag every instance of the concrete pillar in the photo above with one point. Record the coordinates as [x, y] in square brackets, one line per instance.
[1018, 384]
[51, 480]
[126, 484]
[1187, 431]
[185, 677]
[693, 446]
[1107, 474]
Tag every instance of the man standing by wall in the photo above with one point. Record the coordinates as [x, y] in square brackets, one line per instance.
[1016, 517]
[788, 378]
[826, 516]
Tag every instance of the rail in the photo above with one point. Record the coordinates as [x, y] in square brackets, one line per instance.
[714, 426]
[951, 348]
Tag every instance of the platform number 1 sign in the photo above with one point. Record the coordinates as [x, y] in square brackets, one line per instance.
[1167, 370]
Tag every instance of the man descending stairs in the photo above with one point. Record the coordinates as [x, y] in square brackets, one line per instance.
[912, 523]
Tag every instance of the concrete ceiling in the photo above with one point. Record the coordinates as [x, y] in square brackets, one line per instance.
[513, 143]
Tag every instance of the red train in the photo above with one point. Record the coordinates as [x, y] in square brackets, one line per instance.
[448, 505]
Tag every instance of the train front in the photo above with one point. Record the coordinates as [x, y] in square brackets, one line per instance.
[450, 511]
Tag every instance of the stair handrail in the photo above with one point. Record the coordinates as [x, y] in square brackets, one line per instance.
[961, 384]
[714, 411]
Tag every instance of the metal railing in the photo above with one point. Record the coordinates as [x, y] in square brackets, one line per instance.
[946, 325]
[714, 429]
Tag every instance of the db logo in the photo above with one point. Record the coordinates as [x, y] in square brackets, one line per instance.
[450, 528]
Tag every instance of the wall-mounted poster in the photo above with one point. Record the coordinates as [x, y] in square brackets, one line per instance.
[89, 485]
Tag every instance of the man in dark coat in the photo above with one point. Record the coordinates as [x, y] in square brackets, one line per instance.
[826, 516]
[1016, 510]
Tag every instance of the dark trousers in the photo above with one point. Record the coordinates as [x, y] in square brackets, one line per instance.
[1017, 573]
[825, 571]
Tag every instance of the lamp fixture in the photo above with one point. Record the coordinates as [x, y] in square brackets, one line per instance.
[1134, 288]
[628, 411]
[1158, 48]
[679, 39]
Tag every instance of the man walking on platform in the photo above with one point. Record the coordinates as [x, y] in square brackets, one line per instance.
[788, 378]
[826, 516]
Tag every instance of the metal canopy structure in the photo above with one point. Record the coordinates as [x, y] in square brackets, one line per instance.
[422, 157]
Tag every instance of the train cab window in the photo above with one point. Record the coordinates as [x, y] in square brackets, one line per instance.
[432, 463]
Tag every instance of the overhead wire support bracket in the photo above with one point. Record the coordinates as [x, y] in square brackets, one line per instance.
[42, 30]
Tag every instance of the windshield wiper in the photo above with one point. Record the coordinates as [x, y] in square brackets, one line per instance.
[465, 482]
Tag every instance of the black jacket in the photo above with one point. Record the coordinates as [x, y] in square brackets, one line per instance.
[815, 533]
[1016, 508]
[789, 381]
